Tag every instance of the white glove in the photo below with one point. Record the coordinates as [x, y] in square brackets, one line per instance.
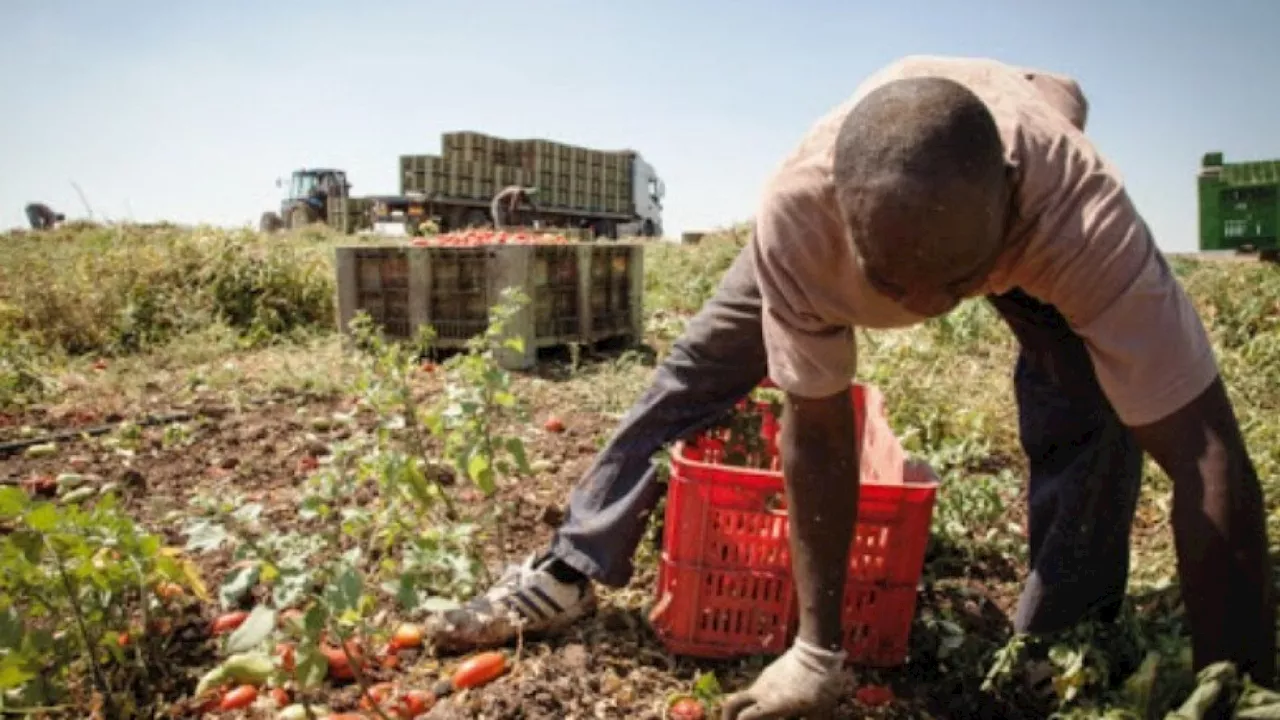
[805, 680]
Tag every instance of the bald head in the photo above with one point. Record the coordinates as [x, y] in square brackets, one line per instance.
[920, 177]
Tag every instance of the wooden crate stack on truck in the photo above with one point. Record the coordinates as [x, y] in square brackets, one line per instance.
[612, 193]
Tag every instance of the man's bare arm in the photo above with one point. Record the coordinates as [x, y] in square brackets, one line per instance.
[1219, 525]
[820, 462]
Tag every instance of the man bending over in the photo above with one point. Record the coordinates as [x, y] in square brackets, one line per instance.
[942, 179]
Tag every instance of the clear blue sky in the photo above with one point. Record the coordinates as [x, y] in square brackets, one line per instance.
[189, 111]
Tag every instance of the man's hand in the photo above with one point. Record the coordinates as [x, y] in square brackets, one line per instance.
[1220, 533]
[805, 681]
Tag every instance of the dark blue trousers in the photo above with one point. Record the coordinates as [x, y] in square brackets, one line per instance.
[1085, 465]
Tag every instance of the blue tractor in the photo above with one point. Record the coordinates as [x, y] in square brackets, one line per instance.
[308, 200]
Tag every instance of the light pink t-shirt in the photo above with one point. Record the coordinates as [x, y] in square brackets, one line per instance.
[1078, 244]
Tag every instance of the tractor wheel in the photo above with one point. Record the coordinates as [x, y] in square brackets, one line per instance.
[475, 218]
[301, 216]
[1271, 255]
[270, 222]
[649, 230]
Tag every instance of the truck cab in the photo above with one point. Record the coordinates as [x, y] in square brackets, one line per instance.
[648, 191]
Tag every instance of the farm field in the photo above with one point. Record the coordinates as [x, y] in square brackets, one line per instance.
[229, 452]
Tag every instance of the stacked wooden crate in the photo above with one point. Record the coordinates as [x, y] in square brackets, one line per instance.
[476, 166]
[348, 215]
[578, 293]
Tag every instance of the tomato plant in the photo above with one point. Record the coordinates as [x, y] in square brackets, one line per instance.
[76, 592]
[317, 585]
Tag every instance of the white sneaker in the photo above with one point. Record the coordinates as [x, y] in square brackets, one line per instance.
[526, 599]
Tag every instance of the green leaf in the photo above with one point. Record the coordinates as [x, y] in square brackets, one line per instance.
[248, 514]
[707, 687]
[13, 501]
[515, 446]
[312, 667]
[204, 536]
[405, 590]
[210, 680]
[10, 629]
[344, 594]
[478, 469]
[43, 518]
[268, 573]
[515, 344]
[290, 587]
[40, 639]
[255, 629]
[30, 543]
[505, 399]
[239, 582]
[313, 621]
[433, 422]
[13, 674]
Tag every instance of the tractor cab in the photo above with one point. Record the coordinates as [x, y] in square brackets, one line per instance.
[315, 187]
[307, 199]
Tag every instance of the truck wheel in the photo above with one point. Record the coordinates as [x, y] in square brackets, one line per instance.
[270, 222]
[648, 229]
[301, 215]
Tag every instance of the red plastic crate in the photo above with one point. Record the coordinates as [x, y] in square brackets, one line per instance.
[724, 585]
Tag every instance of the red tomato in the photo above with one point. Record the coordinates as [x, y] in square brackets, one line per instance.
[874, 695]
[389, 660]
[287, 656]
[228, 622]
[280, 697]
[377, 695]
[306, 464]
[169, 590]
[407, 635]
[479, 669]
[686, 708]
[553, 424]
[241, 697]
[339, 667]
[40, 485]
[414, 703]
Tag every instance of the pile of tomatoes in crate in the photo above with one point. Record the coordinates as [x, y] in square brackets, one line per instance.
[477, 237]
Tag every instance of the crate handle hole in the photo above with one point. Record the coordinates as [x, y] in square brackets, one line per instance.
[776, 503]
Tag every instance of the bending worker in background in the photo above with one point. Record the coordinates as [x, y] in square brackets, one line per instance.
[942, 179]
[42, 217]
[507, 201]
